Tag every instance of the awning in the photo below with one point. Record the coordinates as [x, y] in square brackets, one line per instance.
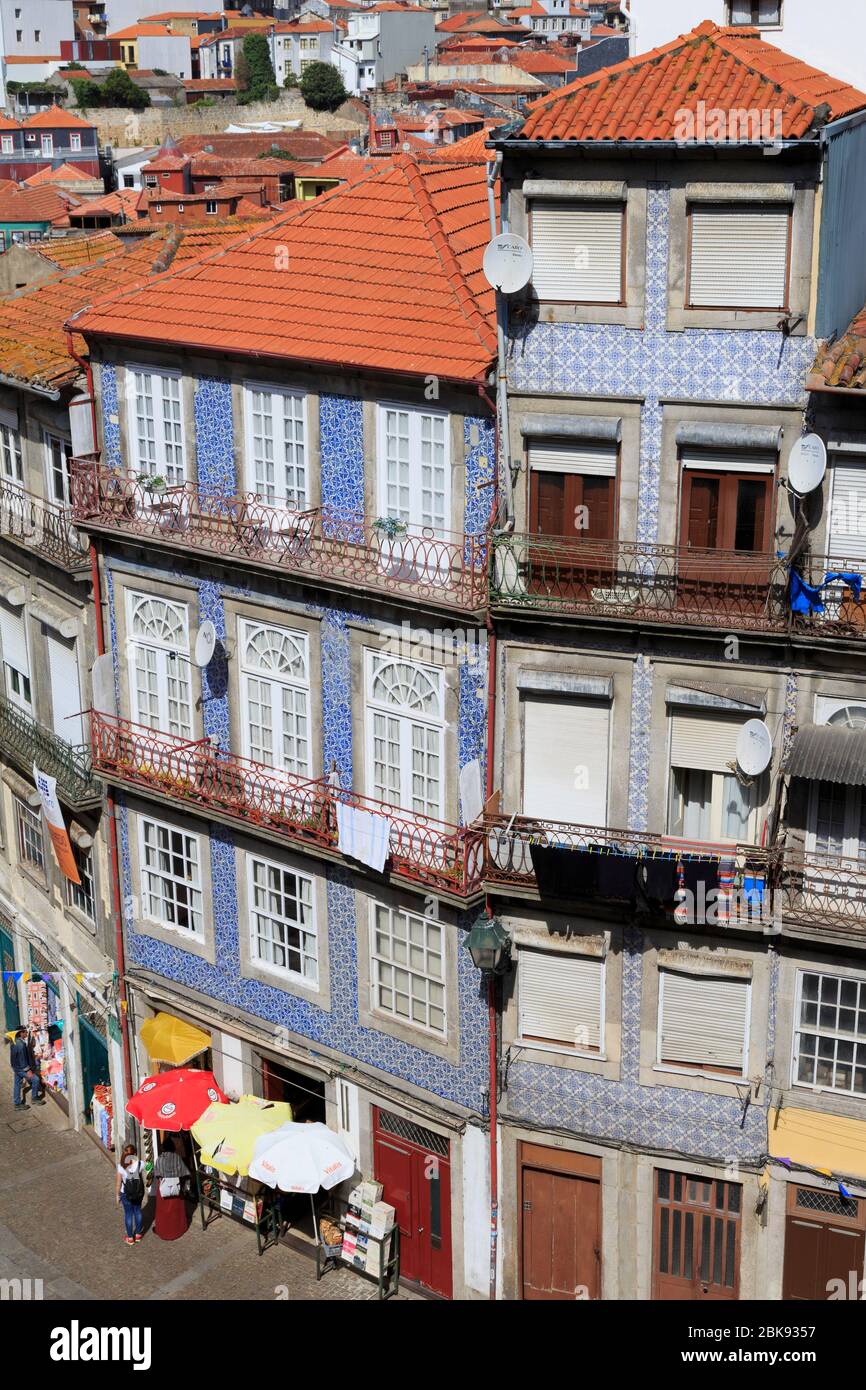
[813, 1139]
[828, 753]
[169, 1039]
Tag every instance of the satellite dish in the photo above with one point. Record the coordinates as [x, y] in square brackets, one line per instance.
[807, 464]
[205, 643]
[508, 263]
[754, 747]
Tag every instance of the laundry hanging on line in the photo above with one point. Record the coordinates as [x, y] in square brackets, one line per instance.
[363, 836]
[806, 598]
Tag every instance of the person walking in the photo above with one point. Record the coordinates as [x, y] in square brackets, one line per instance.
[24, 1068]
[172, 1209]
[130, 1192]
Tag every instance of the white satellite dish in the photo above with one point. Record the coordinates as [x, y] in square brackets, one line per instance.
[754, 748]
[807, 464]
[205, 643]
[508, 263]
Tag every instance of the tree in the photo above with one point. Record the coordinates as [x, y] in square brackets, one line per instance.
[322, 87]
[87, 92]
[119, 89]
[262, 79]
[242, 74]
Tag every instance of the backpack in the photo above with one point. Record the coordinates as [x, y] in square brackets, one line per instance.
[133, 1188]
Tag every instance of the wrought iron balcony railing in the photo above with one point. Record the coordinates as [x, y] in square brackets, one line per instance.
[421, 850]
[824, 892]
[46, 527]
[349, 551]
[663, 584]
[26, 742]
[725, 885]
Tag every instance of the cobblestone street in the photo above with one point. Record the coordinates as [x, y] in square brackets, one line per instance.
[59, 1223]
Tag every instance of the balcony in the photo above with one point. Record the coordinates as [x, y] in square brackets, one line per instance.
[421, 851]
[45, 527]
[26, 742]
[346, 552]
[822, 893]
[614, 580]
[729, 885]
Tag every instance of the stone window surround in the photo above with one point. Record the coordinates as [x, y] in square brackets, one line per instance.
[447, 1047]
[801, 201]
[178, 591]
[561, 935]
[246, 848]
[237, 610]
[791, 964]
[629, 315]
[520, 658]
[710, 948]
[203, 946]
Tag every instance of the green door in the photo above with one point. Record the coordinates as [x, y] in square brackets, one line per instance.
[11, 1011]
[94, 1058]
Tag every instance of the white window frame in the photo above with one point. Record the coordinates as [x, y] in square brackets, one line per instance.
[279, 683]
[192, 886]
[381, 964]
[308, 931]
[401, 495]
[75, 140]
[7, 144]
[51, 442]
[716, 812]
[164, 653]
[853, 847]
[211, 207]
[277, 493]
[597, 1054]
[47, 144]
[816, 1029]
[13, 675]
[81, 897]
[407, 721]
[695, 1068]
[163, 464]
[11, 455]
[29, 828]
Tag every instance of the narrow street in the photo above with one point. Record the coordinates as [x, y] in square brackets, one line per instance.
[59, 1223]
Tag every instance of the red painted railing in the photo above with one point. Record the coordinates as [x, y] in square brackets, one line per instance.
[425, 851]
[445, 569]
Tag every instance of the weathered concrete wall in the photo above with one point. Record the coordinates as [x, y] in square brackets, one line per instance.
[124, 129]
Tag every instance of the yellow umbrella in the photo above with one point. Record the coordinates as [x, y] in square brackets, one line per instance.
[169, 1039]
[227, 1134]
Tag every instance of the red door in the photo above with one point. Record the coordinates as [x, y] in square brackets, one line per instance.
[412, 1164]
[824, 1245]
[576, 512]
[725, 535]
[696, 1240]
[561, 1225]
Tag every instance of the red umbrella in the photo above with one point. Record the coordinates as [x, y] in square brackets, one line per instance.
[174, 1099]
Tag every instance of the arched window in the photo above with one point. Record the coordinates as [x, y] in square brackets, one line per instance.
[275, 697]
[405, 734]
[159, 676]
[850, 716]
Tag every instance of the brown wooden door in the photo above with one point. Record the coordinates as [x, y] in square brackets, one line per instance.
[696, 1237]
[561, 1224]
[577, 508]
[413, 1166]
[725, 533]
[824, 1242]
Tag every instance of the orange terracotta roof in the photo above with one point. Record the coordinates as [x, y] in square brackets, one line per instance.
[726, 69]
[542, 62]
[384, 274]
[471, 147]
[210, 84]
[843, 364]
[64, 173]
[122, 200]
[35, 205]
[72, 251]
[57, 118]
[341, 167]
[145, 31]
[305, 26]
[7, 124]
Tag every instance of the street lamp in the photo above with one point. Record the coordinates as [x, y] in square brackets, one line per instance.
[489, 945]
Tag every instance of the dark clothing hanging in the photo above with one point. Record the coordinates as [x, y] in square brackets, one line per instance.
[659, 878]
[700, 871]
[564, 872]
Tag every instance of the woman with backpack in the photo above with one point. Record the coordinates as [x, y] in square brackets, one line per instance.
[172, 1209]
[130, 1192]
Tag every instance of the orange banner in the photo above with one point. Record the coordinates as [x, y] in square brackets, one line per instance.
[47, 789]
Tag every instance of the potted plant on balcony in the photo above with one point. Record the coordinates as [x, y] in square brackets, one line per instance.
[155, 484]
[389, 526]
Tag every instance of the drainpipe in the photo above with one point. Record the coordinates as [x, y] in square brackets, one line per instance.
[116, 892]
[493, 169]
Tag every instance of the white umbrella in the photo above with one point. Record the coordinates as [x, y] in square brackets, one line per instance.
[301, 1158]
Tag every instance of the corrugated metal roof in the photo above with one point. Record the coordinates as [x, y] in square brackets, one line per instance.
[828, 753]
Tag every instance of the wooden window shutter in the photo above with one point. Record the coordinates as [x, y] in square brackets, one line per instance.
[739, 257]
[702, 1020]
[560, 997]
[848, 510]
[572, 456]
[565, 759]
[577, 252]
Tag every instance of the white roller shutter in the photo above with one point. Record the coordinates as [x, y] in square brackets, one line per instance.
[739, 257]
[13, 635]
[571, 456]
[565, 757]
[577, 252]
[559, 998]
[848, 510]
[707, 741]
[728, 460]
[702, 1020]
[65, 690]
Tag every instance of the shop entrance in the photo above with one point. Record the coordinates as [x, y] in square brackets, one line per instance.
[413, 1166]
[560, 1198]
[824, 1240]
[11, 1011]
[304, 1094]
[696, 1238]
[94, 1059]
